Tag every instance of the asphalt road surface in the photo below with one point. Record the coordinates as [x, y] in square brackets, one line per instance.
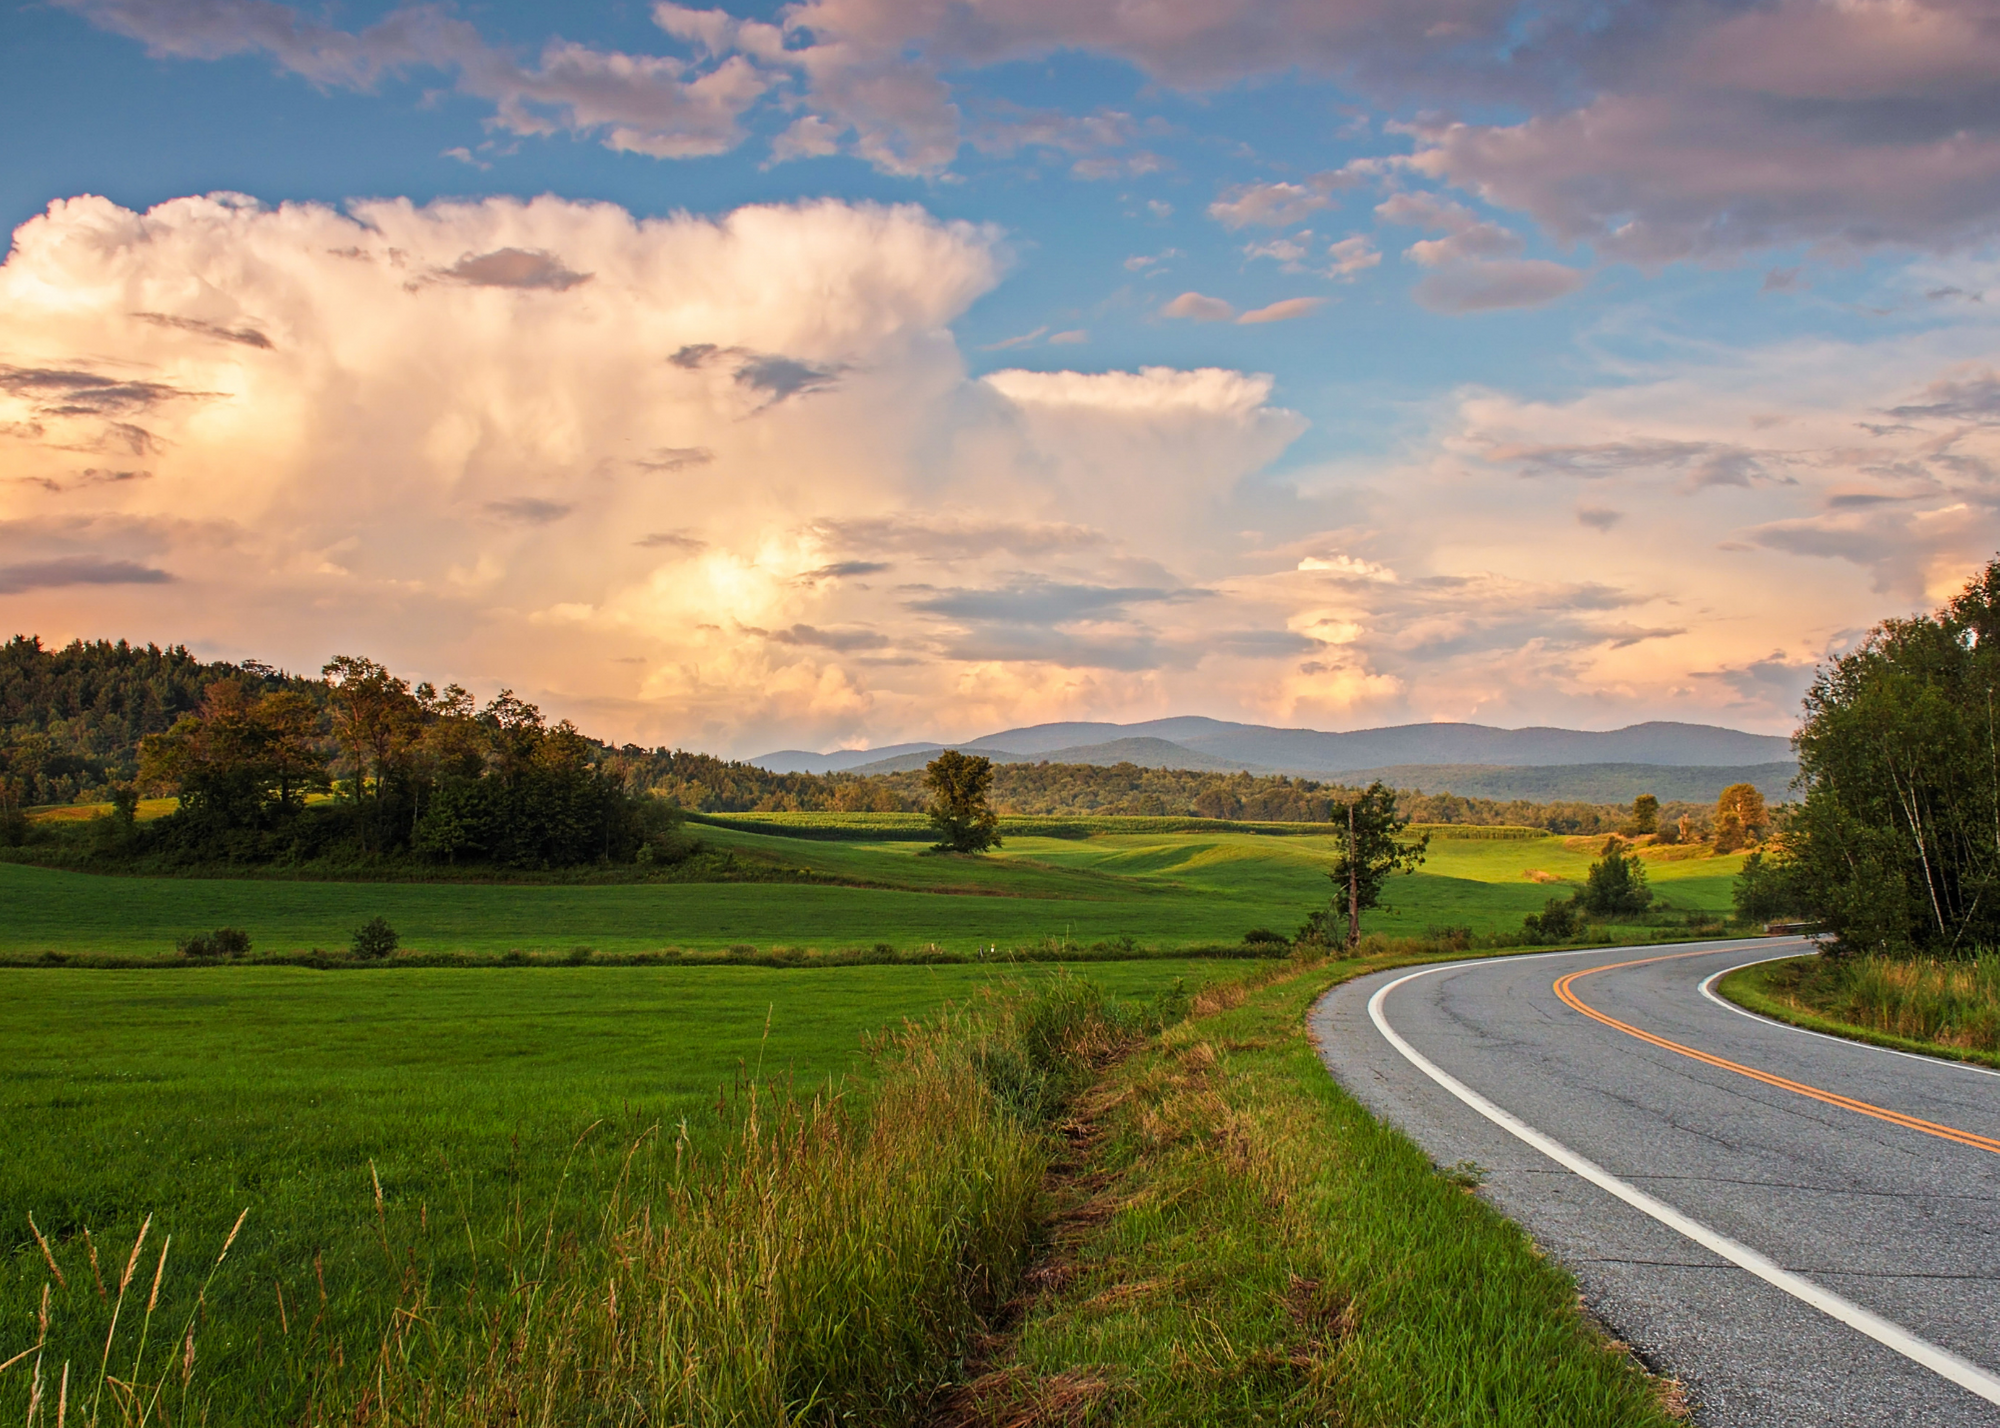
[1802, 1230]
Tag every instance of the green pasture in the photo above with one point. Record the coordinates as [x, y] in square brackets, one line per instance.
[193, 1095]
[1166, 890]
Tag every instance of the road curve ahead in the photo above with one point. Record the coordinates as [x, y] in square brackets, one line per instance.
[1804, 1231]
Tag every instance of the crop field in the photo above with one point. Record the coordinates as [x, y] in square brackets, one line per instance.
[191, 1096]
[1166, 890]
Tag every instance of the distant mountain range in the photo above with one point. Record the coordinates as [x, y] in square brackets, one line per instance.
[1672, 760]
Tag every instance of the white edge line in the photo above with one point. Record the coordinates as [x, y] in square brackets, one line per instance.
[1940, 1361]
[1707, 989]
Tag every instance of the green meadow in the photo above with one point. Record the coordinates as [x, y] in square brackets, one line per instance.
[1165, 890]
[411, 1135]
[490, 1106]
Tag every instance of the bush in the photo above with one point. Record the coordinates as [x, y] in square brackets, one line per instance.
[1559, 920]
[1265, 937]
[1617, 883]
[375, 938]
[223, 942]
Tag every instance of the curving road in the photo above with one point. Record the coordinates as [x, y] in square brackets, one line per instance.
[1802, 1230]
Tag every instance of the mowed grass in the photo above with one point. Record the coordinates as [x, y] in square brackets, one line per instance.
[1165, 890]
[491, 1106]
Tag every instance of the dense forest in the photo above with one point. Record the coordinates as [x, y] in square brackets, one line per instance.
[358, 763]
[71, 719]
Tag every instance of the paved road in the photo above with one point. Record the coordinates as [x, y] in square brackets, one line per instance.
[1896, 1227]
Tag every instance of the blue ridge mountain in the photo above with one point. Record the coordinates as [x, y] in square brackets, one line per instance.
[1315, 753]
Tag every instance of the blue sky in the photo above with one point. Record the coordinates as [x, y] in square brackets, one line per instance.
[1561, 399]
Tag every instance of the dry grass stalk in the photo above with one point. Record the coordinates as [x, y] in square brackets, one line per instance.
[48, 1254]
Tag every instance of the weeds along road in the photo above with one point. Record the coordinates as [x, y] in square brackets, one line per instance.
[1802, 1230]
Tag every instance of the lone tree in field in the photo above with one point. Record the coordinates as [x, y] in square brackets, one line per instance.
[1372, 847]
[958, 785]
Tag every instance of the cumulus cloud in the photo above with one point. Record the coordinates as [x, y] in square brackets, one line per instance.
[455, 452]
[1351, 257]
[1653, 134]
[647, 104]
[1727, 129]
[1207, 309]
[1274, 205]
[1198, 307]
[1474, 263]
[737, 489]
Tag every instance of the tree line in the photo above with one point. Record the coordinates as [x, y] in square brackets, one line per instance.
[359, 765]
[707, 784]
[359, 762]
[71, 719]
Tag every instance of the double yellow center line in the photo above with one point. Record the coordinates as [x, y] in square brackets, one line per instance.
[1848, 1103]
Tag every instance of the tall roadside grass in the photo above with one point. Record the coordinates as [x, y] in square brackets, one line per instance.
[1236, 1240]
[833, 1261]
[1950, 1003]
[1952, 1006]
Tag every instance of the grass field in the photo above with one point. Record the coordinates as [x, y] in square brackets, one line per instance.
[495, 1108]
[190, 1096]
[1166, 890]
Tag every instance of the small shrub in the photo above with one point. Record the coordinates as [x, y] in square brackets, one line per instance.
[1265, 937]
[223, 942]
[579, 955]
[375, 938]
[883, 949]
[1559, 920]
[1455, 939]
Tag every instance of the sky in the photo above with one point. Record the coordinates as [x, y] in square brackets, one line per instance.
[834, 373]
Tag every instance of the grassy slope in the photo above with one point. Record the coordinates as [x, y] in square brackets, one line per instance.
[1166, 890]
[1242, 1242]
[1782, 991]
[194, 1094]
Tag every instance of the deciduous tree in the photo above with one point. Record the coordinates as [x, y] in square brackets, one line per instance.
[1645, 815]
[958, 785]
[1373, 845]
[1896, 846]
[1740, 817]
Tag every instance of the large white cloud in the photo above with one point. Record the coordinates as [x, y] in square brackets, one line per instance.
[726, 482]
[696, 478]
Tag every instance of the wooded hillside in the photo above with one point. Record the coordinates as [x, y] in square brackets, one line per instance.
[72, 720]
